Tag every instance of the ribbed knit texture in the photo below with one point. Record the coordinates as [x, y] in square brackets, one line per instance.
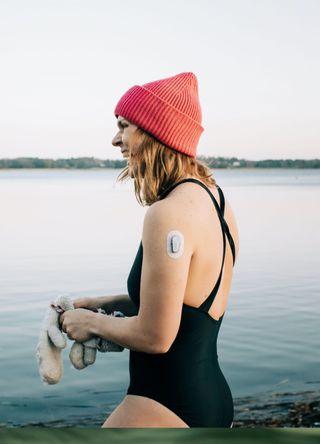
[169, 109]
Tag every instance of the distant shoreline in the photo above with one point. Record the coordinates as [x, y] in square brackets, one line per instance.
[94, 163]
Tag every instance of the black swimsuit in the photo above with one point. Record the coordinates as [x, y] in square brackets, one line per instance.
[187, 378]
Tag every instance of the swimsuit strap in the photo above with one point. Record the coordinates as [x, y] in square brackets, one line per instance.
[222, 204]
[226, 228]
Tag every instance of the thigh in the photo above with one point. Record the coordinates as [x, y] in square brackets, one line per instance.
[139, 411]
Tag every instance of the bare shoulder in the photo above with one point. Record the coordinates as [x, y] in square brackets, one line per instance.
[166, 216]
[187, 202]
[192, 204]
[178, 207]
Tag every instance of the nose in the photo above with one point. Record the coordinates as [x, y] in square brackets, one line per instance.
[117, 140]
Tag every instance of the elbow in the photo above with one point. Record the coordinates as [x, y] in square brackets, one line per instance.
[158, 350]
[153, 343]
[159, 347]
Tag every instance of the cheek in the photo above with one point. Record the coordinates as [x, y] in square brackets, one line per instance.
[129, 142]
[126, 140]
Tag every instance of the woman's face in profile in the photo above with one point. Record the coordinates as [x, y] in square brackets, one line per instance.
[124, 139]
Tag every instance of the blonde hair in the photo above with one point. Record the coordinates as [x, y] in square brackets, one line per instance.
[158, 167]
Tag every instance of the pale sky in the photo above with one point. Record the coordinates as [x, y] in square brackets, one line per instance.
[65, 64]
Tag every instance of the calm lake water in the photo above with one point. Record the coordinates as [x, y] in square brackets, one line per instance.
[77, 232]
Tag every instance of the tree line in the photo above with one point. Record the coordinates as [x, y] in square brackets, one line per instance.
[212, 162]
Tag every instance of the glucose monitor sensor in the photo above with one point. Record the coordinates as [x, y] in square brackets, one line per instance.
[175, 244]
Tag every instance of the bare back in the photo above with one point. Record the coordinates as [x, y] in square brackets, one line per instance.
[193, 202]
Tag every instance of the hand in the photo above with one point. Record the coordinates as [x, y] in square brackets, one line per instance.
[87, 302]
[78, 324]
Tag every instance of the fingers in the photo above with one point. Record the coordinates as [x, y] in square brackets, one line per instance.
[80, 303]
[69, 337]
[63, 327]
[60, 321]
[86, 302]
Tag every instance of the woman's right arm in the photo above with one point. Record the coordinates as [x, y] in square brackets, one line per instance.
[120, 302]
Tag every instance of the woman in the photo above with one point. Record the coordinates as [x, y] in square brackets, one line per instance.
[181, 277]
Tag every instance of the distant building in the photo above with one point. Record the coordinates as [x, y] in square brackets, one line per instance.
[236, 163]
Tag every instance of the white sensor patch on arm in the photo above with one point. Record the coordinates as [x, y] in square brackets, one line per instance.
[175, 244]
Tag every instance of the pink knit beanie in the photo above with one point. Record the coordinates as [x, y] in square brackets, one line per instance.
[169, 109]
